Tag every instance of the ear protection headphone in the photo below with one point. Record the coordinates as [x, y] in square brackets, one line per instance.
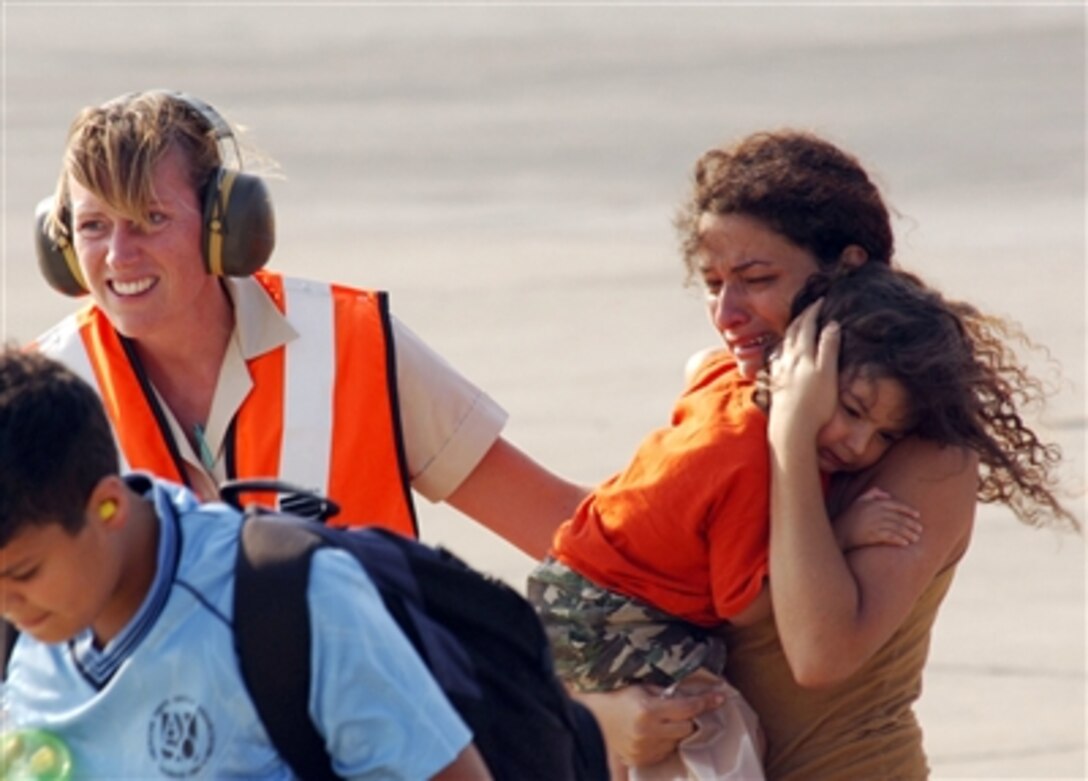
[239, 227]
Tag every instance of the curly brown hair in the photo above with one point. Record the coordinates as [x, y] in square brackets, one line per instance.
[797, 184]
[965, 383]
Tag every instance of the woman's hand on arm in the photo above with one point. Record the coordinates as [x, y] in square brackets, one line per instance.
[517, 498]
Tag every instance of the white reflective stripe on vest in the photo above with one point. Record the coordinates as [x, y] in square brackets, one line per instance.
[64, 343]
[309, 385]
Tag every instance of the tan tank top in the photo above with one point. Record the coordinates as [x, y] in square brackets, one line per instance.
[863, 728]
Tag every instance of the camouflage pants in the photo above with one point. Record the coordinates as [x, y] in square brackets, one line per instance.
[602, 640]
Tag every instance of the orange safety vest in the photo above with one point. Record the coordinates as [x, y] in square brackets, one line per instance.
[322, 413]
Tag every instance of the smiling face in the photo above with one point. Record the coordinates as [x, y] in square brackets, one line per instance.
[872, 414]
[148, 275]
[750, 274]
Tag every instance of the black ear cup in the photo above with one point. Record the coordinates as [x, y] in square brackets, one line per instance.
[239, 226]
[56, 259]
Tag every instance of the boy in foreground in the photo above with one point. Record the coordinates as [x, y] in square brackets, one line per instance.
[122, 588]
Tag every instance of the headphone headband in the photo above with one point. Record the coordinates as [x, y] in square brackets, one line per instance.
[219, 126]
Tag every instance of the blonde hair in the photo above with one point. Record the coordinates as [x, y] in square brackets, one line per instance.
[112, 150]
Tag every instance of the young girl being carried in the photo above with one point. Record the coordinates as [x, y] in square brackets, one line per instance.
[676, 545]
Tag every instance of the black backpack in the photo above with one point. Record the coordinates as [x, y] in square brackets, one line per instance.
[480, 639]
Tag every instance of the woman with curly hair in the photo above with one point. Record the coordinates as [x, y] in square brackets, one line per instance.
[830, 654]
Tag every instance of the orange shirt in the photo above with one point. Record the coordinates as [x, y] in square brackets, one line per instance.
[685, 527]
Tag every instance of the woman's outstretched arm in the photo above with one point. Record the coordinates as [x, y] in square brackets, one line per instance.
[517, 498]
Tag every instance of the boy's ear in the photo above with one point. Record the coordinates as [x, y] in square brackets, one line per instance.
[108, 502]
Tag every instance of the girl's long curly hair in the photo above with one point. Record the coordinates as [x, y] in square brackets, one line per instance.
[966, 386]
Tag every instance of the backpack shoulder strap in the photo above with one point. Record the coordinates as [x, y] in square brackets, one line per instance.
[272, 635]
[8, 635]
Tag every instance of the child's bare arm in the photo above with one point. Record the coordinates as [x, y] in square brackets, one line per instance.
[875, 518]
[468, 766]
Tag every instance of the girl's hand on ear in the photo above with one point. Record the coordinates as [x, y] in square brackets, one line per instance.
[804, 380]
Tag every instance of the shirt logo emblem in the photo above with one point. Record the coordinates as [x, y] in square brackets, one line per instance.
[180, 737]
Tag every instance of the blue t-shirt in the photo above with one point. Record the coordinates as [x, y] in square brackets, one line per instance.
[165, 699]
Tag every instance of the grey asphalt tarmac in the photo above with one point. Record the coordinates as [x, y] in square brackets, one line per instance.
[509, 171]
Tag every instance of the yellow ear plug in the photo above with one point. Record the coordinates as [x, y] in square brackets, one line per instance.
[107, 509]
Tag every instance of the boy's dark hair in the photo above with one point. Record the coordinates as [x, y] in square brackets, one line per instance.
[55, 443]
[964, 384]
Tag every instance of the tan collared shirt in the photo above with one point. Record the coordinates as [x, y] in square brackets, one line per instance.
[448, 423]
